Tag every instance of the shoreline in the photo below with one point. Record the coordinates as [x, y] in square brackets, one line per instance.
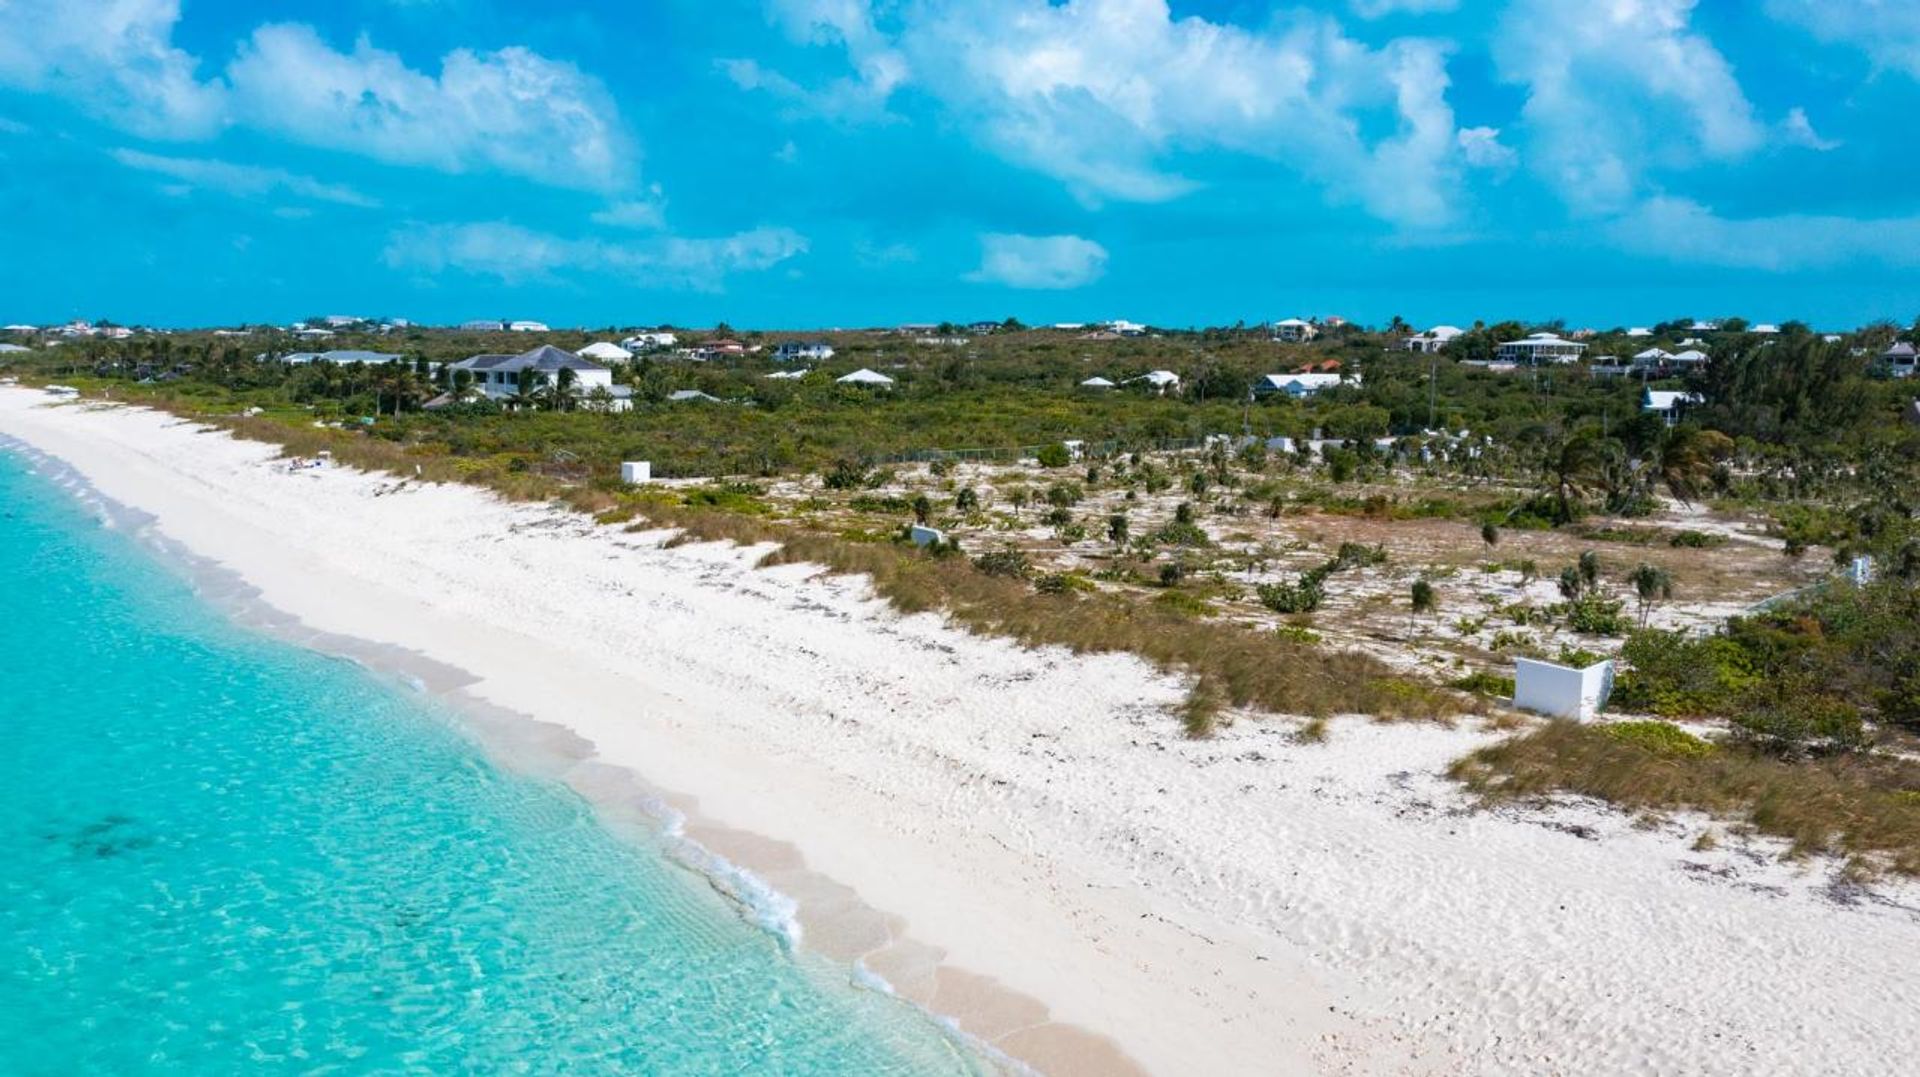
[807, 912]
[1033, 823]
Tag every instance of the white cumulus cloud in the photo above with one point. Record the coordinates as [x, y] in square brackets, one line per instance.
[116, 58]
[1102, 94]
[1615, 86]
[511, 110]
[1888, 31]
[1039, 262]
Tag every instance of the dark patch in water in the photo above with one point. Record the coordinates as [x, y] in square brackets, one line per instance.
[105, 838]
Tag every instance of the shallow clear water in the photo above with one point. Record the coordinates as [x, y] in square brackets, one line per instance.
[221, 853]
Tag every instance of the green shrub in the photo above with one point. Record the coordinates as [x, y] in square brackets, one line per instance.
[1301, 597]
[1009, 563]
[1054, 455]
[1298, 634]
[1481, 682]
[1594, 615]
[1659, 738]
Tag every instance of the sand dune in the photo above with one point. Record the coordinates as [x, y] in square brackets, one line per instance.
[1023, 839]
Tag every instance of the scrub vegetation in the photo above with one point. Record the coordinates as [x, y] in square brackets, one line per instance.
[1454, 516]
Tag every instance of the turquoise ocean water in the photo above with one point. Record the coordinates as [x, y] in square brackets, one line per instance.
[220, 853]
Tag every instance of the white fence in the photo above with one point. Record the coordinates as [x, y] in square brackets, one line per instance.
[1561, 691]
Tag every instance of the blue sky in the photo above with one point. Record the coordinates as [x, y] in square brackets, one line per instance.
[854, 162]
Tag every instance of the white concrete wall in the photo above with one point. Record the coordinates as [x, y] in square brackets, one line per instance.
[1561, 691]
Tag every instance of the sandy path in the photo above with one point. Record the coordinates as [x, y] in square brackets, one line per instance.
[1034, 822]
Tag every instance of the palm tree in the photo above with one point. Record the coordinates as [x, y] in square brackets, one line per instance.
[565, 389]
[1651, 584]
[526, 388]
[1684, 459]
[1583, 463]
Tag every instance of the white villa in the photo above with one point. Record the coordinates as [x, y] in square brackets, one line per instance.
[1541, 348]
[1900, 360]
[604, 352]
[528, 327]
[1639, 331]
[1162, 381]
[863, 376]
[1294, 331]
[1097, 383]
[1669, 405]
[1690, 358]
[498, 376]
[818, 351]
[1652, 357]
[1431, 341]
[1294, 385]
[640, 342]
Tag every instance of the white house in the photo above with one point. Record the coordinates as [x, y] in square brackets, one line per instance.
[484, 325]
[640, 342]
[1541, 348]
[692, 396]
[527, 327]
[1765, 329]
[1294, 331]
[1431, 341]
[498, 376]
[1294, 385]
[816, 351]
[1900, 360]
[604, 352]
[1161, 381]
[313, 334]
[863, 376]
[789, 375]
[1692, 357]
[1639, 331]
[1126, 328]
[1562, 691]
[1652, 357]
[1096, 383]
[1669, 405]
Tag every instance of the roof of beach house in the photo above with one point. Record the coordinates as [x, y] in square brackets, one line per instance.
[546, 359]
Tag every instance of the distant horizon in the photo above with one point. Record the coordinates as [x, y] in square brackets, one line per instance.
[1600, 327]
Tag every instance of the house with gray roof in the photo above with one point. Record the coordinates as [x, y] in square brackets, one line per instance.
[499, 377]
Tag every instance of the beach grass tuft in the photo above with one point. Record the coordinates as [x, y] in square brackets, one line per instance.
[1855, 804]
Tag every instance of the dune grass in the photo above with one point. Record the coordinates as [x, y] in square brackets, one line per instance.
[1858, 805]
[1231, 665]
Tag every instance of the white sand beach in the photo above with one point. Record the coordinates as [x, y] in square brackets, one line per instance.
[1023, 840]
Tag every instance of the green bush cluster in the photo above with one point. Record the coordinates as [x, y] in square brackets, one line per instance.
[1659, 738]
